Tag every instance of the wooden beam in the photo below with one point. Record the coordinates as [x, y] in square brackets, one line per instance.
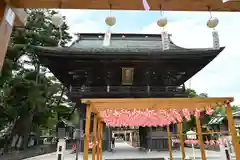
[8, 17]
[6, 25]
[200, 138]
[99, 137]
[232, 129]
[87, 130]
[94, 137]
[173, 5]
[159, 100]
[2, 10]
[156, 103]
[95, 111]
[169, 143]
[21, 15]
[180, 133]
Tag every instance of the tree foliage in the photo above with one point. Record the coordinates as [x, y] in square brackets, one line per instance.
[29, 93]
[218, 110]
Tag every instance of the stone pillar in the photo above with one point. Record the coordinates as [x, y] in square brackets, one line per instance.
[131, 137]
[125, 135]
[109, 135]
[61, 146]
[150, 139]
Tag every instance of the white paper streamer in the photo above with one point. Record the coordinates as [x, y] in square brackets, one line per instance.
[216, 44]
[165, 41]
[10, 17]
[107, 38]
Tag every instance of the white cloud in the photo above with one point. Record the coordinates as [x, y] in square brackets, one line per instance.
[220, 77]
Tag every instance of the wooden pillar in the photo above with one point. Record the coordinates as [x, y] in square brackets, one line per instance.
[181, 139]
[99, 137]
[200, 138]
[5, 30]
[86, 135]
[94, 137]
[8, 17]
[232, 129]
[169, 143]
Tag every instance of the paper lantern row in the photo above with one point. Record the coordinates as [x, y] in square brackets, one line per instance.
[162, 22]
[58, 21]
[91, 145]
[149, 117]
[208, 142]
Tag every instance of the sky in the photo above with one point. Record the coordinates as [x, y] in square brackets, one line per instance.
[189, 30]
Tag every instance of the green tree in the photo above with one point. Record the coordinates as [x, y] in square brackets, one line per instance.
[187, 125]
[219, 110]
[30, 98]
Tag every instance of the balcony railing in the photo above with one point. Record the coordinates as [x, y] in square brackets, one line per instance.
[126, 91]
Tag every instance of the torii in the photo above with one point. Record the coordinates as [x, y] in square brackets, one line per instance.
[9, 16]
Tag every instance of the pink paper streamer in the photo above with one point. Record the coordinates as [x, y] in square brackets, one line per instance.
[145, 5]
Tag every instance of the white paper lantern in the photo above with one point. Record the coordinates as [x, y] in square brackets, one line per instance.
[110, 21]
[212, 22]
[57, 19]
[162, 22]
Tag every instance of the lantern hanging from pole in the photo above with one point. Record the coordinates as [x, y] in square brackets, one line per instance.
[146, 5]
[110, 21]
[57, 19]
[212, 23]
[162, 22]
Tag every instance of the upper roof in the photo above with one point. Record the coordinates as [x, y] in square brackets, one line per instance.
[143, 52]
[91, 44]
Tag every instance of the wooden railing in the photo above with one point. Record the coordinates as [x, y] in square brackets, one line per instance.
[125, 91]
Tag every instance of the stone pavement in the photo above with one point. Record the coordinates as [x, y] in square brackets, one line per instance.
[125, 151]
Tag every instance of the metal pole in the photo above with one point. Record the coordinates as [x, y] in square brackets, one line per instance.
[77, 146]
[81, 134]
[79, 137]
[109, 139]
[87, 131]
[169, 143]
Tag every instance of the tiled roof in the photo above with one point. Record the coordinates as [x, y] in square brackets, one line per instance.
[219, 118]
[131, 43]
